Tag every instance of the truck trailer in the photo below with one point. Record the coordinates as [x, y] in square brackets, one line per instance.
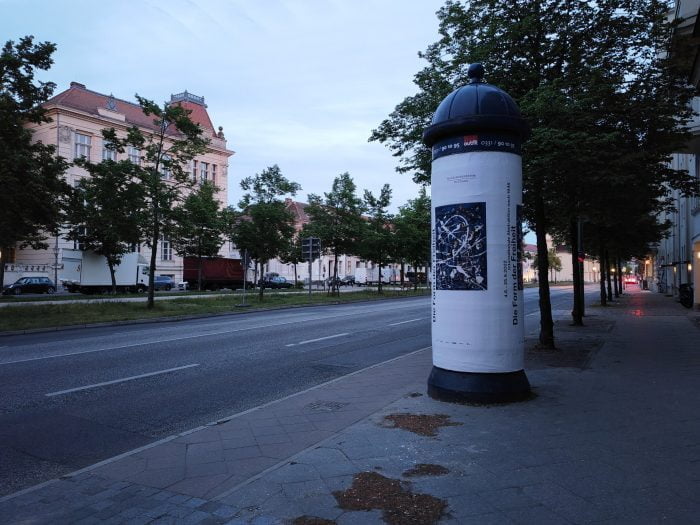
[370, 276]
[87, 272]
[217, 273]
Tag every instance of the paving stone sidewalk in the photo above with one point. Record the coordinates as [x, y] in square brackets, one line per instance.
[609, 437]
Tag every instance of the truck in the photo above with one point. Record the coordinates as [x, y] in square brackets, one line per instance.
[370, 276]
[86, 272]
[217, 273]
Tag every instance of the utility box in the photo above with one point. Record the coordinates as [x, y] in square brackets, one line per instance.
[477, 298]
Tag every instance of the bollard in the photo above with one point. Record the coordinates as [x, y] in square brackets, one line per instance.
[477, 298]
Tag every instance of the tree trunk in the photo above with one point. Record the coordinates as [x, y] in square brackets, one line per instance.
[335, 289]
[619, 274]
[3, 257]
[379, 288]
[403, 267]
[295, 274]
[152, 266]
[607, 274]
[262, 285]
[112, 272]
[615, 280]
[601, 262]
[577, 312]
[546, 321]
[199, 272]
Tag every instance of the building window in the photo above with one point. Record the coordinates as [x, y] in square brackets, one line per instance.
[166, 249]
[194, 170]
[134, 155]
[77, 245]
[203, 171]
[213, 173]
[82, 146]
[165, 167]
[107, 153]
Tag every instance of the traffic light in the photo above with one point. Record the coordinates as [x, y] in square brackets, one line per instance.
[310, 248]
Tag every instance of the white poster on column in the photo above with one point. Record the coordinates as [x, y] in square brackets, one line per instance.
[477, 302]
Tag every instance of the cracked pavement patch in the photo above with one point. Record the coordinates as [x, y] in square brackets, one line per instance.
[421, 424]
[400, 506]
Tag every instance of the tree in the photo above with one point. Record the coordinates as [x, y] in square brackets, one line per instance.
[336, 219]
[106, 211]
[553, 261]
[412, 233]
[198, 226]
[162, 170]
[377, 237]
[603, 102]
[264, 227]
[33, 190]
[292, 254]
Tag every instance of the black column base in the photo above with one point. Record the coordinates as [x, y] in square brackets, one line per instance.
[475, 387]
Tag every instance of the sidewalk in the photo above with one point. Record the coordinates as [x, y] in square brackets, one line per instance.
[613, 434]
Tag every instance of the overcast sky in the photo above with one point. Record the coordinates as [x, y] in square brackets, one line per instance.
[298, 83]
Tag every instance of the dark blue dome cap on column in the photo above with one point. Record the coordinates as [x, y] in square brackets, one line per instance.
[478, 106]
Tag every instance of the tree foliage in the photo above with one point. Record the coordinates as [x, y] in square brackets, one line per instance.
[264, 227]
[198, 226]
[163, 168]
[412, 232]
[106, 211]
[603, 101]
[377, 235]
[336, 219]
[31, 174]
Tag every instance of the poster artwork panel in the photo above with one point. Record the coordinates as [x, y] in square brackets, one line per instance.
[460, 251]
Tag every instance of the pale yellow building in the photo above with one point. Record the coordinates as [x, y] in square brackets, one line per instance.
[78, 117]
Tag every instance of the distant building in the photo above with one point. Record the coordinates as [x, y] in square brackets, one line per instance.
[78, 117]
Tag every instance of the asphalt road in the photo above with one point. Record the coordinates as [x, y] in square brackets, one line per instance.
[72, 398]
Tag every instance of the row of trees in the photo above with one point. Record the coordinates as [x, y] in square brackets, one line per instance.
[604, 87]
[123, 204]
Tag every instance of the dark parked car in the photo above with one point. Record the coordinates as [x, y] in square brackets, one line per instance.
[276, 282]
[163, 282]
[30, 285]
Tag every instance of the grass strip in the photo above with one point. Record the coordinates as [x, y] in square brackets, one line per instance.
[54, 315]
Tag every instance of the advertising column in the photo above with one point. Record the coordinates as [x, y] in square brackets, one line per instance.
[477, 298]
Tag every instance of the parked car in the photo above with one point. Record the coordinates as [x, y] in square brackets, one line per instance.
[30, 285]
[348, 280]
[276, 282]
[630, 279]
[163, 282]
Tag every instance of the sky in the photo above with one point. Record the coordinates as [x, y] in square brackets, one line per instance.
[297, 83]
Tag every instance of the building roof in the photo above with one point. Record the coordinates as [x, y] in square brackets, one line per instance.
[298, 210]
[77, 96]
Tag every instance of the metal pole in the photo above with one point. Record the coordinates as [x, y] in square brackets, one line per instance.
[580, 265]
[310, 268]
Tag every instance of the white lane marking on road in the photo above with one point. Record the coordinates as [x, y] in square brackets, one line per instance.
[295, 321]
[409, 321]
[131, 378]
[319, 339]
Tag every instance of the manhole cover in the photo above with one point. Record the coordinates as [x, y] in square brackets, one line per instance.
[326, 406]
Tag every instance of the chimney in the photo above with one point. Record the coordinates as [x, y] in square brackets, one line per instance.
[77, 85]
